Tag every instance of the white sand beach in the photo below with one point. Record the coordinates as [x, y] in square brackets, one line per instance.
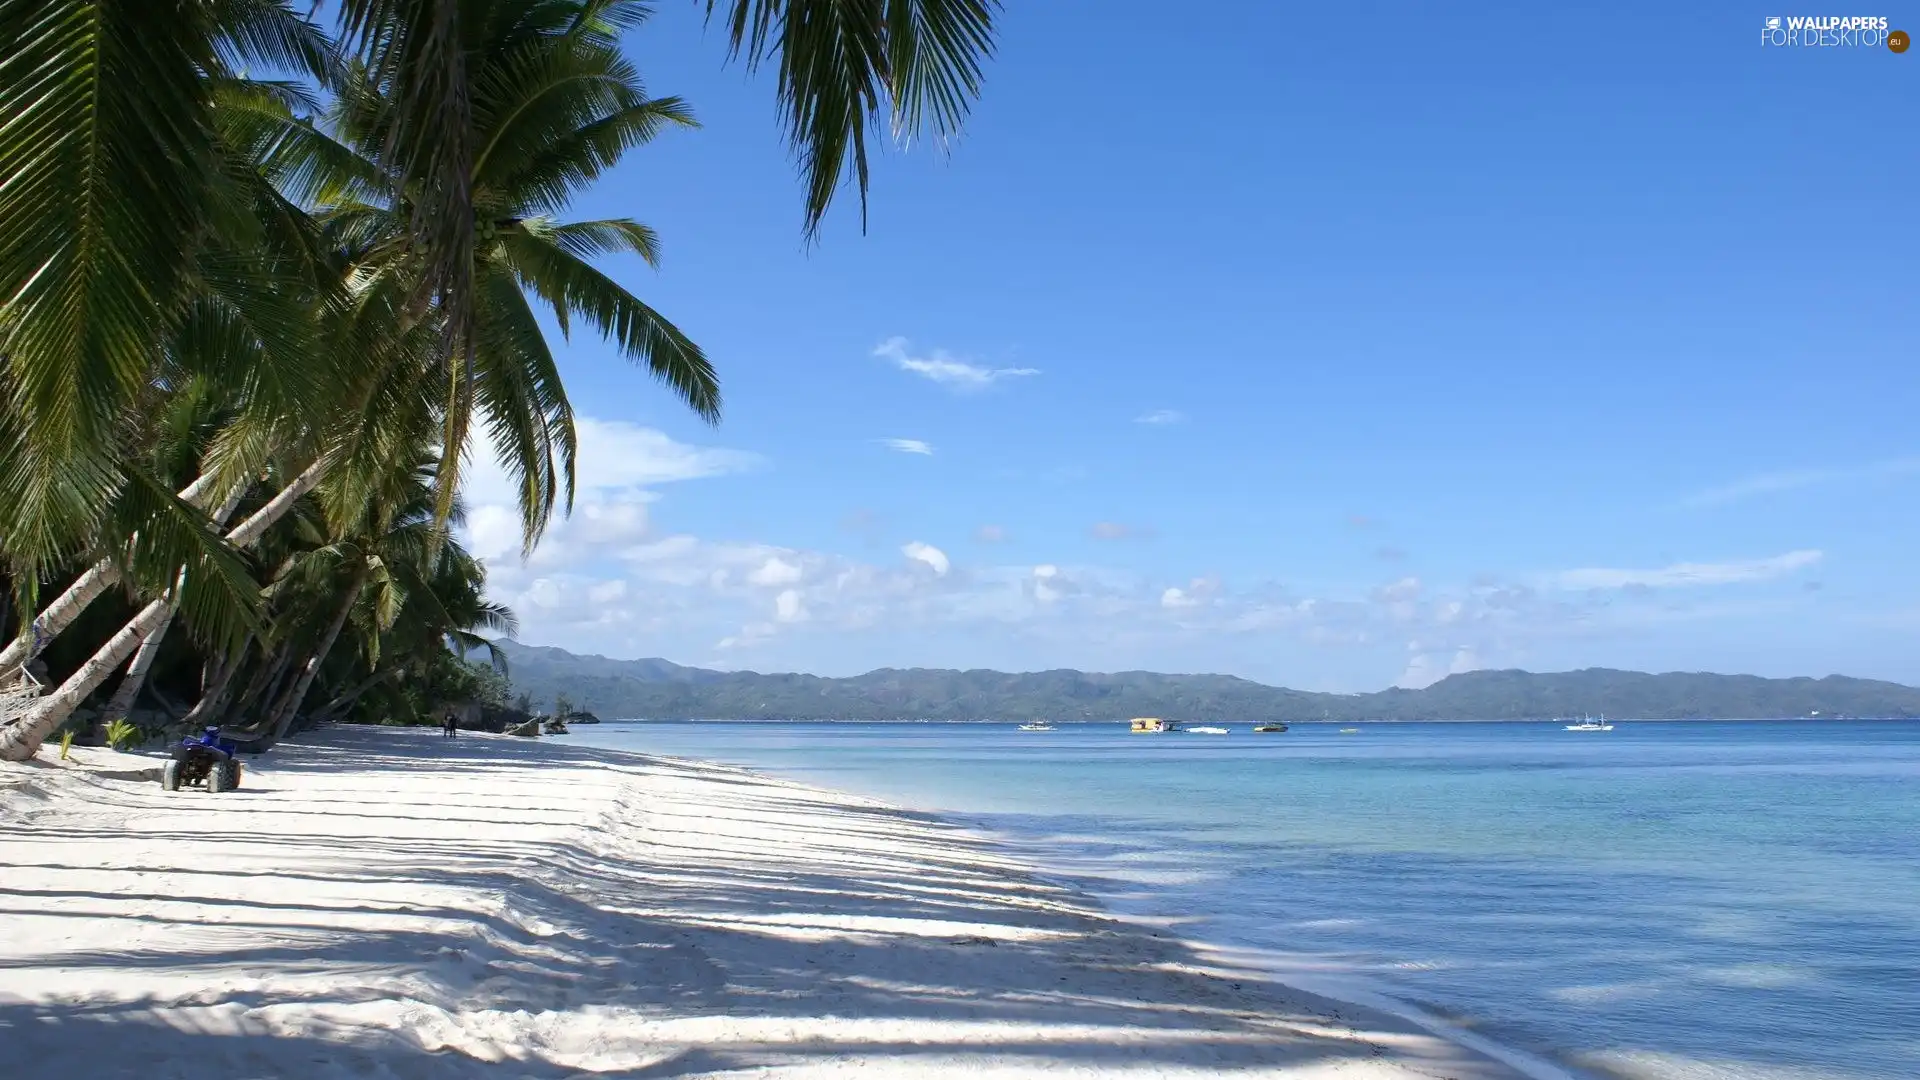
[386, 903]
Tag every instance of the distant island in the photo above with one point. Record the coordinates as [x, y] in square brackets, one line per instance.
[660, 690]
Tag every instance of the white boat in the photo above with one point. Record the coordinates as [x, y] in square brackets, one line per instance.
[1590, 724]
[1037, 725]
[1208, 730]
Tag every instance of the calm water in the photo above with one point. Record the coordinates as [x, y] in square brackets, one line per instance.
[1700, 901]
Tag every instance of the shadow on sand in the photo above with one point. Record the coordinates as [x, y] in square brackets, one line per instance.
[599, 935]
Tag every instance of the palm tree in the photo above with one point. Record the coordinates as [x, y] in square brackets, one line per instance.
[448, 231]
[117, 223]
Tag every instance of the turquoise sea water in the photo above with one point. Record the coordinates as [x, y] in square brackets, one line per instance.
[1682, 901]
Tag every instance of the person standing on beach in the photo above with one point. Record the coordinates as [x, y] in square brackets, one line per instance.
[451, 725]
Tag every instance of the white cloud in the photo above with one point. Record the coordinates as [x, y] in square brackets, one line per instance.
[1115, 530]
[944, 369]
[1046, 583]
[750, 635]
[618, 465]
[1400, 591]
[789, 608]
[672, 594]
[609, 580]
[908, 446]
[1161, 417]
[1793, 479]
[614, 454]
[1426, 668]
[1197, 592]
[1682, 575]
[775, 571]
[927, 553]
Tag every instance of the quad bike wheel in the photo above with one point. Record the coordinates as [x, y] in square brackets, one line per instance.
[218, 777]
[170, 776]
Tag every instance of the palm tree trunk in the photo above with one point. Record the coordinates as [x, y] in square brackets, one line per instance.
[24, 737]
[250, 530]
[339, 705]
[21, 739]
[58, 615]
[290, 704]
[136, 676]
[265, 685]
[67, 607]
[213, 694]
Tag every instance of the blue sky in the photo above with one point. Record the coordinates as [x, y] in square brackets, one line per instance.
[1393, 341]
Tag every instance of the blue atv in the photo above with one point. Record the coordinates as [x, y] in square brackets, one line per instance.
[207, 760]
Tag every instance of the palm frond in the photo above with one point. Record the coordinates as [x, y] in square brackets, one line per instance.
[842, 64]
[104, 158]
[178, 550]
[272, 34]
[646, 337]
[528, 417]
[550, 175]
[415, 51]
[589, 239]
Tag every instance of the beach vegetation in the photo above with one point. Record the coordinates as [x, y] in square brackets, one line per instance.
[271, 276]
[122, 735]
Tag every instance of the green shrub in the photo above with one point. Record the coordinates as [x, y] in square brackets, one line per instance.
[122, 735]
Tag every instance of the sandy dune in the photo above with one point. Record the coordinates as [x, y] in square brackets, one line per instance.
[383, 903]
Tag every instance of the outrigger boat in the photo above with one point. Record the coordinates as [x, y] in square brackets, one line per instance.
[1269, 727]
[1152, 725]
[1037, 725]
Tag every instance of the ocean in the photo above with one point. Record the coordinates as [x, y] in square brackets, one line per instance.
[1665, 901]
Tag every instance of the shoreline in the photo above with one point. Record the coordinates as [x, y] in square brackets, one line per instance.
[385, 902]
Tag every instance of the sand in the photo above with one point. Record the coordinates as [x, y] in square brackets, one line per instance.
[388, 903]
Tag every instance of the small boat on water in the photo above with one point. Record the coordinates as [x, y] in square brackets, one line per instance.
[1208, 730]
[1269, 727]
[1152, 725]
[1037, 725]
[1590, 724]
[1349, 731]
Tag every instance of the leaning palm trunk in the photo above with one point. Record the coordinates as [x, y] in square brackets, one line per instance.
[67, 607]
[289, 705]
[213, 694]
[261, 687]
[47, 625]
[136, 677]
[338, 706]
[21, 739]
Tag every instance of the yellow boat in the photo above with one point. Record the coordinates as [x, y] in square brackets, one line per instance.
[1152, 725]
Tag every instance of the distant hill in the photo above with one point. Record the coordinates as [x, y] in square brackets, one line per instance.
[659, 690]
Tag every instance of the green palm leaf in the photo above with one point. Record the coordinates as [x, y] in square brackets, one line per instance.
[104, 158]
[568, 282]
[843, 64]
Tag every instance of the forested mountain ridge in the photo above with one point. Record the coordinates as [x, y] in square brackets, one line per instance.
[661, 690]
